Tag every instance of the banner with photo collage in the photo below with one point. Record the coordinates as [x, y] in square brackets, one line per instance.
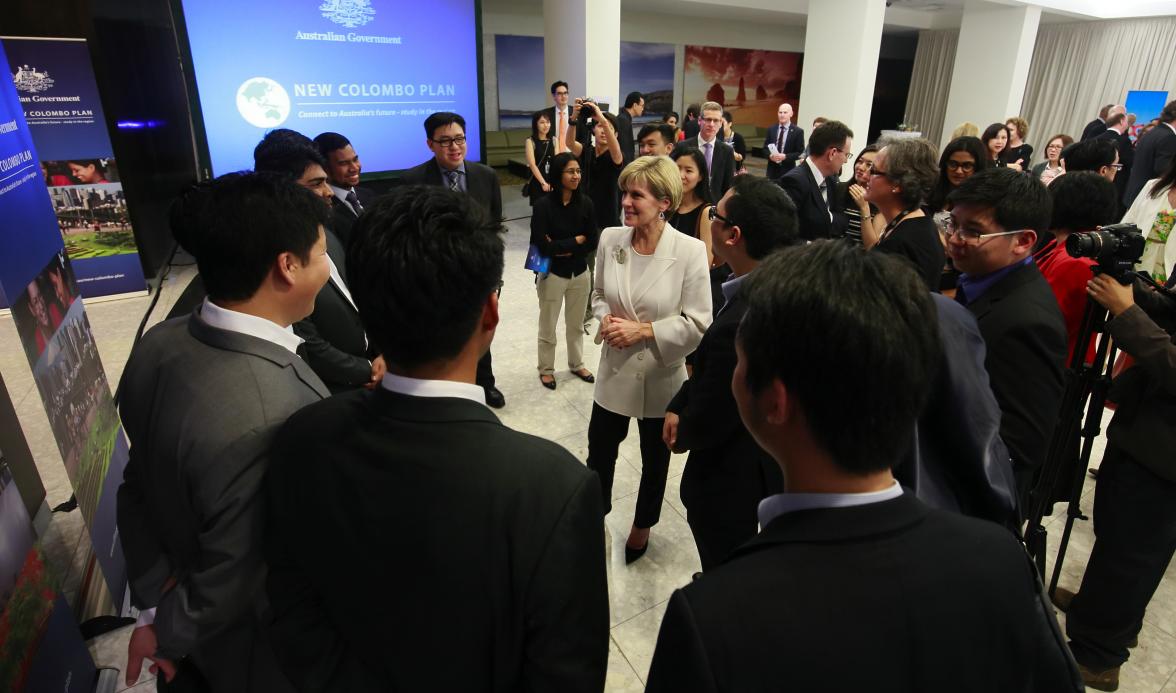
[37, 274]
[54, 79]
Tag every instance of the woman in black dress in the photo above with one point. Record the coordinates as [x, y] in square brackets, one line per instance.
[1017, 154]
[996, 140]
[539, 148]
[903, 174]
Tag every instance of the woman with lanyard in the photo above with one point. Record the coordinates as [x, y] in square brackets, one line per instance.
[539, 148]
[563, 228]
[903, 174]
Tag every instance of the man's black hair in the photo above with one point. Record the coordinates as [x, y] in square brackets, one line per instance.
[559, 83]
[1018, 201]
[633, 98]
[1090, 155]
[809, 325]
[281, 137]
[252, 218]
[668, 132]
[421, 264]
[328, 142]
[832, 134]
[440, 119]
[692, 111]
[1083, 200]
[289, 159]
[764, 214]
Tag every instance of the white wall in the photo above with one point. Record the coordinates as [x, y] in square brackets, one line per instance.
[527, 20]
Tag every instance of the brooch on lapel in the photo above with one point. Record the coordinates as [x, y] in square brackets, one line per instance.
[619, 255]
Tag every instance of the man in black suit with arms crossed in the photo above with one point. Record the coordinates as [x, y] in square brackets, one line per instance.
[995, 218]
[788, 139]
[813, 184]
[853, 584]
[487, 542]
[446, 138]
[720, 157]
[727, 473]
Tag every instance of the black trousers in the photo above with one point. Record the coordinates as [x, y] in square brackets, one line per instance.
[606, 430]
[1135, 537]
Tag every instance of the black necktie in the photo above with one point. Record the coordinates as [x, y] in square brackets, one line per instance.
[780, 139]
[353, 200]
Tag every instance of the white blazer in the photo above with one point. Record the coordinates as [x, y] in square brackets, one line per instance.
[673, 294]
[1143, 214]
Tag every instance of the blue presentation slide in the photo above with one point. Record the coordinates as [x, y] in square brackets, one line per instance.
[372, 70]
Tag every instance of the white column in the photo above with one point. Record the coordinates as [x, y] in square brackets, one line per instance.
[582, 46]
[841, 44]
[991, 65]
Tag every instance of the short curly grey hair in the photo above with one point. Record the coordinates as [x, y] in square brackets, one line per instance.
[913, 164]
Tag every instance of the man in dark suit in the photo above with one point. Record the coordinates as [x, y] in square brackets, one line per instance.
[560, 116]
[1116, 133]
[690, 125]
[202, 398]
[853, 584]
[343, 169]
[788, 141]
[448, 168]
[995, 218]
[334, 343]
[495, 580]
[1153, 154]
[727, 474]
[634, 107]
[720, 157]
[1135, 500]
[1098, 126]
[813, 185]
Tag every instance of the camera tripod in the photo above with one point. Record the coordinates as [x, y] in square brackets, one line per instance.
[1085, 383]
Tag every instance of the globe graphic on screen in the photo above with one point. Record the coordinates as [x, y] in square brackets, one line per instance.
[262, 102]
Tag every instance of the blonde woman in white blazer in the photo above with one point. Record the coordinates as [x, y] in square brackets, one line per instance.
[652, 296]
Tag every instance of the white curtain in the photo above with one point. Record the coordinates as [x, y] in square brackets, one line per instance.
[1079, 68]
[931, 81]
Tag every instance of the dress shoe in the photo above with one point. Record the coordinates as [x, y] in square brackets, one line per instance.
[549, 384]
[588, 378]
[494, 398]
[632, 554]
[1062, 598]
[1105, 680]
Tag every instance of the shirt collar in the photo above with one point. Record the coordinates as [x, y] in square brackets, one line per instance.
[341, 193]
[243, 323]
[816, 171]
[1171, 127]
[731, 287]
[415, 387]
[774, 506]
[973, 287]
[701, 141]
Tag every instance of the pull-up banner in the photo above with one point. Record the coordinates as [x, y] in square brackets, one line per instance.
[37, 276]
[58, 94]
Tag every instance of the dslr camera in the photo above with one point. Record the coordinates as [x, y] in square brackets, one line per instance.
[1114, 248]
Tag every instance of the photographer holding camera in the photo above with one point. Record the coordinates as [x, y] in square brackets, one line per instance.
[1135, 501]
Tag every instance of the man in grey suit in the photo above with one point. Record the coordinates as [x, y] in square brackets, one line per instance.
[202, 397]
[449, 168]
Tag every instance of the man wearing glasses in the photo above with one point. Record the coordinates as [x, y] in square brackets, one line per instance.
[720, 157]
[560, 117]
[446, 138]
[995, 218]
[812, 185]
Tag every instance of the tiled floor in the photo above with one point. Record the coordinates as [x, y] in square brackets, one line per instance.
[638, 593]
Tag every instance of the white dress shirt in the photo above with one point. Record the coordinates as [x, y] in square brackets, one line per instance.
[774, 506]
[415, 387]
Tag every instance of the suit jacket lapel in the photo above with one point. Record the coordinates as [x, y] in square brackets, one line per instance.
[623, 269]
[663, 259]
[808, 172]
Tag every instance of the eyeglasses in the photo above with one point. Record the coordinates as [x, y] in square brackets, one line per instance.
[848, 154]
[1117, 167]
[562, 92]
[970, 237]
[961, 165]
[714, 214]
[875, 171]
[447, 142]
